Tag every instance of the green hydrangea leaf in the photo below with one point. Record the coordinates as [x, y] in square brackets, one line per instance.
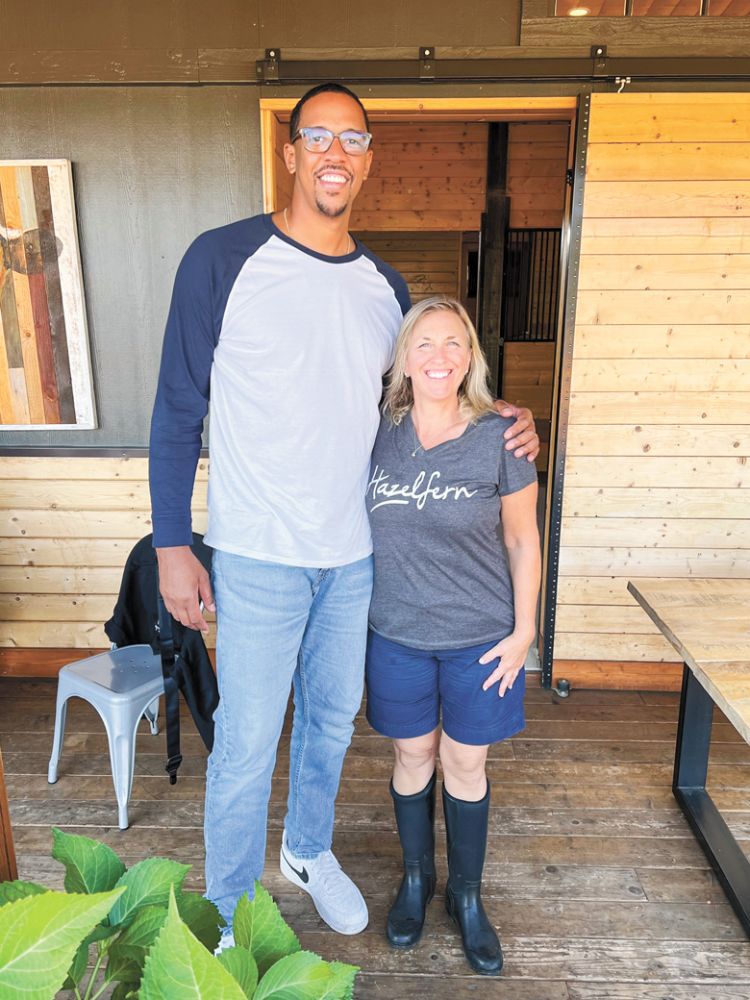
[90, 866]
[11, 891]
[39, 937]
[121, 969]
[147, 883]
[202, 917]
[127, 954]
[344, 977]
[179, 966]
[78, 967]
[260, 928]
[101, 932]
[302, 976]
[240, 964]
[124, 991]
[144, 929]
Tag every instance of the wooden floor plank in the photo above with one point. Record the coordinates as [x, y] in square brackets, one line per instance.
[645, 991]
[688, 885]
[599, 960]
[557, 795]
[581, 919]
[39, 710]
[183, 844]
[505, 821]
[599, 773]
[372, 986]
[518, 881]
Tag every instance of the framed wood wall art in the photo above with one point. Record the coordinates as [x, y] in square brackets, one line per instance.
[45, 365]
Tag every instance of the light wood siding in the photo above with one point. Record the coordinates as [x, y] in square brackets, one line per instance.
[66, 528]
[657, 475]
[429, 262]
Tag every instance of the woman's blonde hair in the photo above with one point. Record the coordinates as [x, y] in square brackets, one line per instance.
[474, 397]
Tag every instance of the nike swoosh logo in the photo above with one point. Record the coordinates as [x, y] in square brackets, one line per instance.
[300, 874]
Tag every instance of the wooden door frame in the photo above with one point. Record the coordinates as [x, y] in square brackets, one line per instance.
[275, 110]
[573, 109]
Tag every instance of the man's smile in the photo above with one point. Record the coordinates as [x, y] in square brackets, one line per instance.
[334, 180]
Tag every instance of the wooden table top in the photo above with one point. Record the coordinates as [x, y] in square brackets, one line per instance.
[708, 623]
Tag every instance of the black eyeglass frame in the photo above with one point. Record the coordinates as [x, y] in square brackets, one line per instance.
[302, 134]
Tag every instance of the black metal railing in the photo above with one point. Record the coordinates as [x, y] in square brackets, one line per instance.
[531, 284]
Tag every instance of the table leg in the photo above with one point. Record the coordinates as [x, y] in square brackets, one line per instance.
[689, 786]
[8, 870]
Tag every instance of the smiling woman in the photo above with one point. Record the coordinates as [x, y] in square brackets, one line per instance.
[452, 617]
[438, 358]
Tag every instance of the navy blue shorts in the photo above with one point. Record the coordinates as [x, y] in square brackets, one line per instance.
[406, 689]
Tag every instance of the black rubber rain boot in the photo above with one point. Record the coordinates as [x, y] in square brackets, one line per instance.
[415, 818]
[466, 832]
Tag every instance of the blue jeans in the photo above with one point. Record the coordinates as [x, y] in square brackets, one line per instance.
[280, 626]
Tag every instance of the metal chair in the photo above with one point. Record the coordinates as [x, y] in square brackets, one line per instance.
[123, 685]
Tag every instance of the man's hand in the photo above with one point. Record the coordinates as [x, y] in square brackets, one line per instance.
[184, 582]
[521, 438]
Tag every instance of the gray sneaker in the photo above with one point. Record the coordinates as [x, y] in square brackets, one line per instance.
[336, 897]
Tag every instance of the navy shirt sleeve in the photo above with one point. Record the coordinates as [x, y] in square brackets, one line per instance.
[182, 395]
[394, 279]
[202, 287]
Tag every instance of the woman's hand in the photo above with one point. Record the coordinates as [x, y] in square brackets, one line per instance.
[511, 651]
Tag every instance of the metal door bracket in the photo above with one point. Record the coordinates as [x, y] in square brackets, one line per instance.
[599, 58]
[267, 70]
[427, 62]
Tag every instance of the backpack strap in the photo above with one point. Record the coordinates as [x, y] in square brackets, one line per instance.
[171, 690]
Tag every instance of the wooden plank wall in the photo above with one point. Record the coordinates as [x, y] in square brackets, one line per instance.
[424, 177]
[429, 262]
[657, 476]
[282, 177]
[537, 161]
[527, 375]
[528, 371]
[433, 177]
[66, 528]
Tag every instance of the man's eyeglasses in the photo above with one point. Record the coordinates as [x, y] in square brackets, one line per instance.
[320, 140]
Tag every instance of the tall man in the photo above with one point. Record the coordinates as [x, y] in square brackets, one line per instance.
[287, 324]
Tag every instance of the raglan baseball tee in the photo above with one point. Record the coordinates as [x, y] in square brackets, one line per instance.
[442, 578]
[288, 348]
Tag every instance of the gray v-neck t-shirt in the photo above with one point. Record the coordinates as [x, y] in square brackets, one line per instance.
[441, 571]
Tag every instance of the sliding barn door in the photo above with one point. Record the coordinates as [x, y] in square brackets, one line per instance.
[657, 475]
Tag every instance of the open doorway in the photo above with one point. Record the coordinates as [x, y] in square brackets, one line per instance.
[469, 198]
